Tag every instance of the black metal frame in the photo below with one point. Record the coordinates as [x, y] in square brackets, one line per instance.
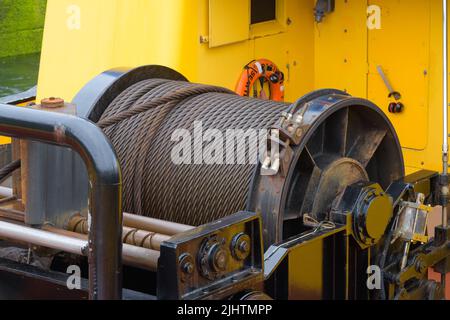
[174, 282]
[105, 238]
[269, 194]
[97, 94]
[340, 265]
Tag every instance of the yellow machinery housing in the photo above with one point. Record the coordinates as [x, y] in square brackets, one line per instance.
[211, 41]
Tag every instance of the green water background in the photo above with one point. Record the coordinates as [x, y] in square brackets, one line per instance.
[18, 73]
[21, 31]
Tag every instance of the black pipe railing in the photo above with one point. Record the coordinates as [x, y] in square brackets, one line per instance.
[105, 236]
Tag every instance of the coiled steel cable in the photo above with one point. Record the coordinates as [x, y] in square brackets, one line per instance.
[140, 123]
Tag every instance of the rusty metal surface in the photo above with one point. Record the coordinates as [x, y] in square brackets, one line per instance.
[132, 236]
[143, 239]
[52, 102]
[143, 258]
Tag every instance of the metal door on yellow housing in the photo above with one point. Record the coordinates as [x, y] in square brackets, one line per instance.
[400, 47]
[229, 21]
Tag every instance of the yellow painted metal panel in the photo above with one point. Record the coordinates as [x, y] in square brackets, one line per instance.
[223, 65]
[403, 52]
[83, 38]
[341, 49]
[291, 50]
[115, 33]
[335, 53]
[229, 21]
[220, 65]
[4, 140]
[430, 157]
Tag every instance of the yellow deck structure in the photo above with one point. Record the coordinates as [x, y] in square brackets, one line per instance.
[211, 41]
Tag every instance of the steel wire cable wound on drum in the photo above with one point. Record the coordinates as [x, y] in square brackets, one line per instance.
[140, 123]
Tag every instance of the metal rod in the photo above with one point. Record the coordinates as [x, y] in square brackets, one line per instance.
[105, 183]
[10, 214]
[138, 222]
[6, 200]
[143, 238]
[43, 238]
[405, 255]
[131, 255]
[140, 257]
[136, 237]
[155, 225]
[6, 192]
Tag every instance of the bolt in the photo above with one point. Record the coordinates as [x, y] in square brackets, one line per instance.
[204, 39]
[241, 246]
[220, 259]
[188, 268]
[244, 247]
[52, 102]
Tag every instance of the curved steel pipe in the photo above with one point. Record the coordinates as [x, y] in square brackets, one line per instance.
[84, 137]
